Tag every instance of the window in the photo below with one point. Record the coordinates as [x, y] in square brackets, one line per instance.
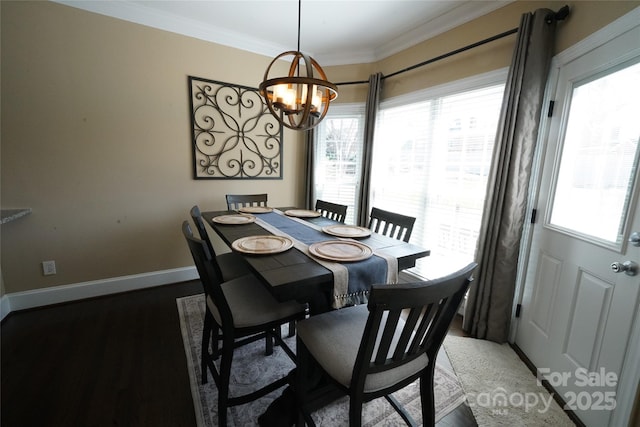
[338, 154]
[431, 159]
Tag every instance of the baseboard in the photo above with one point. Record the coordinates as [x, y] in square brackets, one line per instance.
[73, 292]
[5, 306]
[556, 396]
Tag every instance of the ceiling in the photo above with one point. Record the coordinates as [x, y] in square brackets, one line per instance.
[333, 32]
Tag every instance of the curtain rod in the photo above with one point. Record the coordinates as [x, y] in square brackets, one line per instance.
[438, 58]
[560, 15]
[455, 52]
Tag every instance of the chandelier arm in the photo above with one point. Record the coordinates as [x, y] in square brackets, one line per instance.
[308, 101]
[295, 64]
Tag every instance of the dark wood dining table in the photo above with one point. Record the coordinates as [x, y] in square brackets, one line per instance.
[292, 275]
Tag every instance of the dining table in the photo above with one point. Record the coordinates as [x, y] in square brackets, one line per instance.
[294, 273]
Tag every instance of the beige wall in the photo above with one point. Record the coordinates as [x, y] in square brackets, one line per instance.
[95, 131]
[96, 140]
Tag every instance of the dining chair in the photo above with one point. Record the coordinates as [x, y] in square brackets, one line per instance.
[237, 201]
[391, 224]
[370, 351]
[245, 312]
[230, 268]
[331, 210]
[232, 265]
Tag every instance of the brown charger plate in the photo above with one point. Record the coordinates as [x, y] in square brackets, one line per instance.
[234, 219]
[266, 244]
[341, 230]
[302, 213]
[255, 209]
[340, 250]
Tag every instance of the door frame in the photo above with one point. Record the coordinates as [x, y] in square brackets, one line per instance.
[630, 374]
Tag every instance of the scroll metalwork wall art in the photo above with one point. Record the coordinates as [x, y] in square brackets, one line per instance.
[234, 136]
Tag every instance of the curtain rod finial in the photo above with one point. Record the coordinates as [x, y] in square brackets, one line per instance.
[562, 13]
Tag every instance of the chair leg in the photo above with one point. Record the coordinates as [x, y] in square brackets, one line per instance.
[204, 348]
[268, 341]
[278, 332]
[223, 383]
[292, 328]
[426, 397]
[300, 380]
[355, 411]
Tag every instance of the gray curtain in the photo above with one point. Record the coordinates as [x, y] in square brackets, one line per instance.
[490, 299]
[373, 101]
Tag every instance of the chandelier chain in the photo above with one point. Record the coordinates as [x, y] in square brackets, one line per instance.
[299, 14]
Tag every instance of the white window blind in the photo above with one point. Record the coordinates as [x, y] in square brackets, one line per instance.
[431, 160]
[338, 155]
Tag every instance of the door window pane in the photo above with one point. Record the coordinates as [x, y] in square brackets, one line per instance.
[599, 156]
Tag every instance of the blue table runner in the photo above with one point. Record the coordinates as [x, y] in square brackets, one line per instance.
[361, 274]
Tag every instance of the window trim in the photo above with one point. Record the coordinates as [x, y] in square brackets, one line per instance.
[479, 81]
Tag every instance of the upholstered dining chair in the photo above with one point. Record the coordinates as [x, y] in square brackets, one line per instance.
[245, 312]
[237, 201]
[370, 351]
[391, 224]
[231, 264]
[332, 210]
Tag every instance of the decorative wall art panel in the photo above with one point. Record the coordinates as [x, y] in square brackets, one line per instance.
[233, 134]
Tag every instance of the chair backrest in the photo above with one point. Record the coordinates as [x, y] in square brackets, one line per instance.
[331, 210]
[391, 224]
[210, 276]
[202, 231]
[427, 309]
[235, 201]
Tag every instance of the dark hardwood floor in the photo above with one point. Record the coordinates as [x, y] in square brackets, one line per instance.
[111, 361]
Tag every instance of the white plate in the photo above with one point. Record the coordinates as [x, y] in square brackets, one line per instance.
[255, 209]
[266, 244]
[302, 213]
[234, 219]
[341, 230]
[340, 250]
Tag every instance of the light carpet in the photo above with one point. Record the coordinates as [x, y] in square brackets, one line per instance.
[251, 369]
[499, 387]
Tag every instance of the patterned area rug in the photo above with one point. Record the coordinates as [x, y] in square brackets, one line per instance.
[250, 370]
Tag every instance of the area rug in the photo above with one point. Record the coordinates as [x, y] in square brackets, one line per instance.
[251, 369]
[499, 388]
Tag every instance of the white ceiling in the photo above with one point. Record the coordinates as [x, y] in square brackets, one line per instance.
[333, 32]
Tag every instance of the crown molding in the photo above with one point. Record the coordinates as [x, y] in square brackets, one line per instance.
[458, 16]
[151, 17]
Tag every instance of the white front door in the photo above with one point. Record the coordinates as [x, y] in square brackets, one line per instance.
[579, 322]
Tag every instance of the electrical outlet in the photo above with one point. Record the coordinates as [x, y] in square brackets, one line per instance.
[48, 268]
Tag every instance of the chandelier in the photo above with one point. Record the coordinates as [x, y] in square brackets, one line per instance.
[300, 100]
